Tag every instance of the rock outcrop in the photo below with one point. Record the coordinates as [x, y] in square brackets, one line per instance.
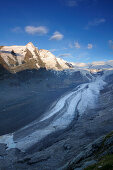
[18, 58]
[97, 155]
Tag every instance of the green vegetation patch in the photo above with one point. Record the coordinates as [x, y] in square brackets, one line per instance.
[103, 147]
[108, 136]
[106, 163]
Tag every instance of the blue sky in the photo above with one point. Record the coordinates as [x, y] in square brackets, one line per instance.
[75, 30]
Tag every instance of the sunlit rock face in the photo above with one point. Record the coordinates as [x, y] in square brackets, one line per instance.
[18, 58]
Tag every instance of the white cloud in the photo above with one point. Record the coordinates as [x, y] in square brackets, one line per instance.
[57, 36]
[53, 50]
[84, 55]
[95, 22]
[17, 29]
[41, 30]
[71, 45]
[73, 3]
[90, 46]
[111, 44]
[65, 55]
[77, 45]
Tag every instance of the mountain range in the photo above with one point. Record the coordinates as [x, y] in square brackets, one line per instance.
[18, 58]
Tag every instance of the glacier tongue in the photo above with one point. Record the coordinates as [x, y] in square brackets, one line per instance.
[58, 117]
[90, 94]
[8, 139]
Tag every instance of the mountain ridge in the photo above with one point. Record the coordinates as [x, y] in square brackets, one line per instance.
[18, 58]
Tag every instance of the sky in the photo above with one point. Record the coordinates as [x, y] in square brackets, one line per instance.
[74, 30]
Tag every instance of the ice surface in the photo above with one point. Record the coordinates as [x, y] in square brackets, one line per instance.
[8, 139]
[62, 114]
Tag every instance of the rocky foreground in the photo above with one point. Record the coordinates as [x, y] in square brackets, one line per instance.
[97, 155]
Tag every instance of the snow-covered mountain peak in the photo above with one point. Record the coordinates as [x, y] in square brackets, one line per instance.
[18, 58]
[30, 46]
